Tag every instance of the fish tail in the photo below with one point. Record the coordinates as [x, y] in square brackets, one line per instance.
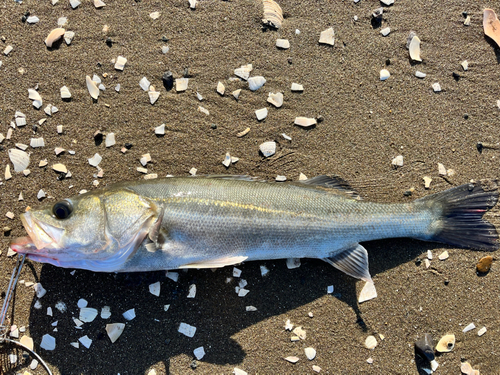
[461, 221]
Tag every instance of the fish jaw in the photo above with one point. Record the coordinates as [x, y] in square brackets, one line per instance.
[42, 235]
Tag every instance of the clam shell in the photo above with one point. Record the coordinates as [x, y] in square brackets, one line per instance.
[114, 330]
[275, 99]
[273, 15]
[255, 83]
[371, 342]
[19, 159]
[91, 86]
[65, 94]
[282, 43]
[261, 114]
[268, 148]
[384, 74]
[305, 122]
[491, 25]
[87, 314]
[54, 36]
[446, 344]
[310, 353]
[327, 36]
[415, 49]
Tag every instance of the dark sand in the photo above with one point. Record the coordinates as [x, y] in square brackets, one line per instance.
[366, 124]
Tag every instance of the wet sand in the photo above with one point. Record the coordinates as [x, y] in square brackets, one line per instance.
[366, 123]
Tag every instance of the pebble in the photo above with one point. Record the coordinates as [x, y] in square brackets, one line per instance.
[327, 37]
[82, 303]
[154, 15]
[444, 255]
[446, 344]
[329, 289]
[484, 264]
[261, 114]
[250, 308]
[371, 342]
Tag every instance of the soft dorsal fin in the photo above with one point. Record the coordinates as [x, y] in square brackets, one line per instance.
[333, 182]
[353, 261]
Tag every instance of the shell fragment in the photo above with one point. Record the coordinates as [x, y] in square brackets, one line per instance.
[114, 330]
[327, 37]
[305, 122]
[54, 36]
[273, 15]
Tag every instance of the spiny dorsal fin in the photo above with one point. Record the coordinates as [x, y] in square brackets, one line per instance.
[353, 261]
[333, 182]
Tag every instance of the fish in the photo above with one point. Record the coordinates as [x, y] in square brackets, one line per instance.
[212, 222]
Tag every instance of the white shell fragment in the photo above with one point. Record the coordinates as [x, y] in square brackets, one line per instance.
[385, 31]
[85, 341]
[68, 37]
[87, 314]
[35, 96]
[436, 87]
[120, 63]
[384, 74]
[129, 314]
[482, 331]
[282, 43]
[470, 327]
[310, 353]
[367, 293]
[154, 15]
[82, 303]
[192, 291]
[261, 114]
[397, 161]
[255, 83]
[19, 159]
[99, 4]
[227, 160]
[292, 359]
[292, 263]
[144, 83]
[275, 99]
[160, 130]
[444, 255]
[305, 122]
[446, 344]
[92, 87]
[268, 148]
[54, 36]
[37, 142]
[273, 15]
[220, 88]
[65, 94]
[74, 3]
[441, 169]
[243, 72]
[236, 94]
[420, 75]
[114, 330]
[105, 312]
[153, 96]
[181, 84]
[327, 37]
[199, 353]
[155, 288]
[41, 194]
[237, 371]
[415, 49]
[427, 182]
[371, 342]
[110, 140]
[250, 308]
[48, 342]
[187, 329]
[297, 87]
[32, 19]
[95, 160]
[465, 65]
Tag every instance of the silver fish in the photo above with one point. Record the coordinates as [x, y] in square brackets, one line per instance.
[209, 222]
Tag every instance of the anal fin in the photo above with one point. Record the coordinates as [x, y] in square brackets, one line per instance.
[352, 261]
[216, 263]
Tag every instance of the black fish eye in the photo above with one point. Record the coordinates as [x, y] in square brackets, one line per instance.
[62, 209]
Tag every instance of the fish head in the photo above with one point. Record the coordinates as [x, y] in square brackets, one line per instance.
[97, 231]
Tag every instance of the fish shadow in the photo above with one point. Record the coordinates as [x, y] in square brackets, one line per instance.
[217, 312]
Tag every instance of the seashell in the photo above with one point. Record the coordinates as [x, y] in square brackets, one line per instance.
[446, 344]
[54, 36]
[465, 65]
[424, 347]
[144, 83]
[310, 353]
[267, 148]
[297, 87]
[436, 87]
[243, 72]
[371, 342]
[236, 93]
[199, 353]
[60, 168]
[27, 341]
[19, 159]
[484, 264]
[427, 182]
[282, 43]
[114, 330]
[482, 331]
[384, 74]
[305, 122]
[220, 88]
[186, 329]
[85, 341]
[160, 130]
[87, 314]
[120, 63]
[74, 3]
[292, 359]
[280, 178]
[35, 96]
[68, 37]
[367, 293]
[91, 86]
[65, 94]
[466, 368]
[275, 99]
[105, 312]
[444, 255]
[7, 175]
[192, 291]
[243, 133]
[129, 314]
[82, 303]
[192, 4]
[261, 114]
[415, 49]
[255, 83]
[227, 162]
[181, 84]
[470, 327]
[37, 142]
[273, 15]
[32, 19]
[48, 342]
[491, 25]
[327, 37]
[397, 161]
[95, 160]
[385, 31]
[110, 140]
[153, 96]
[99, 4]
[155, 288]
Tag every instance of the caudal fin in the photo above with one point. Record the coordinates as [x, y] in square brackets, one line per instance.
[461, 223]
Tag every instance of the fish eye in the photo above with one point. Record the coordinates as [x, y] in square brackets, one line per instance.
[62, 209]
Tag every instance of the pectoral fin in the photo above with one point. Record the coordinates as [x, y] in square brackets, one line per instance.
[216, 263]
[353, 261]
[155, 228]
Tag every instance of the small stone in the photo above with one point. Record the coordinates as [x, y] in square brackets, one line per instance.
[181, 84]
[484, 264]
[168, 80]
[154, 15]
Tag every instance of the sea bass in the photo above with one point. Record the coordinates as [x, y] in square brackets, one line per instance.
[210, 222]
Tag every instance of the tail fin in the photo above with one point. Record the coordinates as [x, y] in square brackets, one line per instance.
[462, 223]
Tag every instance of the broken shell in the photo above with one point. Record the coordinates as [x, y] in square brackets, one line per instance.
[68, 37]
[327, 37]
[482, 331]
[220, 88]
[368, 292]
[48, 342]
[243, 72]
[65, 94]
[187, 329]
[491, 25]
[415, 49]
[181, 84]
[114, 330]
[446, 344]
[85, 341]
[282, 43]
[261, 114]
[129, 314]
[153, 96]
[87, 314]
[424, 347]
[268, 148]
[273, 15]
[275, 99]
[297, 87]
[292, 359]
[155, 288]
[95, 160]
[465, 65]
[243, 133]
[427, 182]
[54, 36]
[371, 342]
[255, 83]
[236, 93]
[19, 159]
[305, 122]
[91, 86]
[120, 63]
[466, 368]
[470, 327]
[444, 255]
[99, 4]
[310, 353]
[110, 140]
[60, 168]
[105, 312]
[384, 74]
[27, 341]
[144, 83]
[484, 264]
[436, 87]
[397, 161]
